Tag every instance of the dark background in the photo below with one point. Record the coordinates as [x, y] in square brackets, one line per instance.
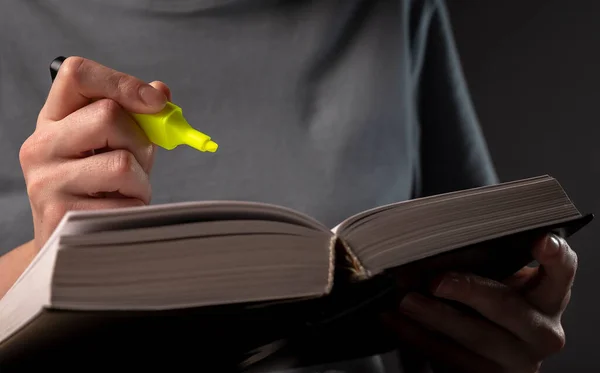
[533, 68]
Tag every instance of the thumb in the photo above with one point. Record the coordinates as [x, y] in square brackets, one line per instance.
[167, 92]
[558, 264]
[163, 88]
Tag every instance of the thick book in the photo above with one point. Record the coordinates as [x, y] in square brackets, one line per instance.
[240, 283]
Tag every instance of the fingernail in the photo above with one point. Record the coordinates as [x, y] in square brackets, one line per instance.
[152, 96]
[411, 303]
[552, 245]
[449, 285]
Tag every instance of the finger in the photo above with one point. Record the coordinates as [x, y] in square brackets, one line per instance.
[558, 265]
[505, 307]
[79, 204]
[163, 88]
[101, 125]
[477, 335]
[113, 171]
[438, 349]
[81, 80]
[522, 279]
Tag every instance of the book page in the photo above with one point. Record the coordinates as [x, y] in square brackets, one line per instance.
[184, 212]
[365, 216]
[186, 230]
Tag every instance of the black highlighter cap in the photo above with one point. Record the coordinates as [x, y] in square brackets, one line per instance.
[55, 65]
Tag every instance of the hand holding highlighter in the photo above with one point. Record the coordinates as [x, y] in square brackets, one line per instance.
[167, 129]
[87, 152]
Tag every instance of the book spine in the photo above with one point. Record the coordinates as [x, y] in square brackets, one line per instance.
[358, 271]
[332, 260]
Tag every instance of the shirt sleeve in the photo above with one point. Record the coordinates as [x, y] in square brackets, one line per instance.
[453, 153]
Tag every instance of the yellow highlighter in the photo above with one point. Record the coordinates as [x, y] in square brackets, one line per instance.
[167, 129]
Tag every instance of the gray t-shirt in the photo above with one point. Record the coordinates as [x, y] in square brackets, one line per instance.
[329, 107]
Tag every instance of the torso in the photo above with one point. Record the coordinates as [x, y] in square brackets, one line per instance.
[310, 101]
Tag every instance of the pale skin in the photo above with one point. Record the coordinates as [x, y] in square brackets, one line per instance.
[87, 153]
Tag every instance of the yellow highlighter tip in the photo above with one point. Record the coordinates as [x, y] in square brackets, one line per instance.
[197, 140]
[211, 146]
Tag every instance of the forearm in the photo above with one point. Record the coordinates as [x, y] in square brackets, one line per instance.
[13, 263]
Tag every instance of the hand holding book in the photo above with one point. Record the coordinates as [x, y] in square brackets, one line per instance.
[520, 323]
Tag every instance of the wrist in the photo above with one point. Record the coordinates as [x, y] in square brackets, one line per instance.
[13, 263]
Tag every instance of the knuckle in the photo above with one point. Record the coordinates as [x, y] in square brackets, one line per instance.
[558, 342]
[124, 85]
[27, 152]
[121, 163]
[552, 337]
[71, 68]
[109, 111]
[35, 147]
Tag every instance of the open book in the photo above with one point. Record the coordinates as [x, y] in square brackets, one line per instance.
[236, 259]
